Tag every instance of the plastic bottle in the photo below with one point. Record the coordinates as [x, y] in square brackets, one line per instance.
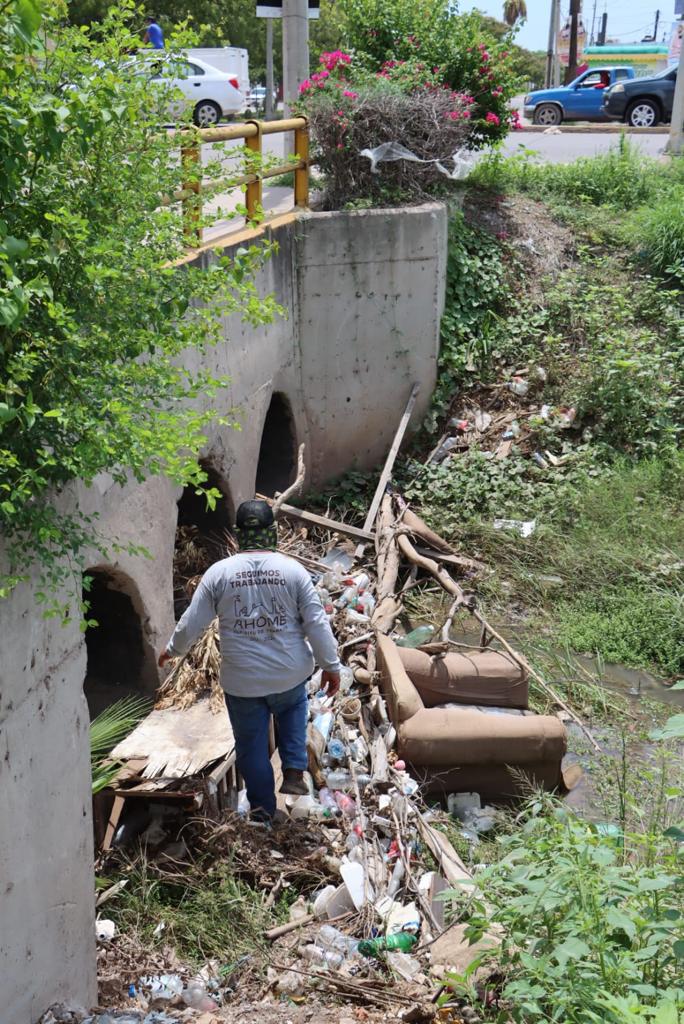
[366, 603]
[346, 679]
[418, 636]
[328, 801]
[332, 938]
[403, 941]
[348, 595]
[356, 617]
[445, 448]
[337, 749]
[339, 780]
[195, 996]
[346, 804]
[518, 386]
[317, 955]
[323, 723]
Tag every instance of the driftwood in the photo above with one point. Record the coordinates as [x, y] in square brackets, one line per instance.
[389, 466]
[389, 604]
[295, 487]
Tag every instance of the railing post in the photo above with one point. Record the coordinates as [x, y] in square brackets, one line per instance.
[191, 166]
[301, 175]
[254, 188]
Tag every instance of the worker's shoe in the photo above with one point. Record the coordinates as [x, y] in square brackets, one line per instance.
[293, 782]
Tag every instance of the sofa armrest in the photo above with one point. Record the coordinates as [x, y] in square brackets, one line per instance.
[402, 697]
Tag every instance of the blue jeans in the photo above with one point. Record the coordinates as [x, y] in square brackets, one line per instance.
[250, 718]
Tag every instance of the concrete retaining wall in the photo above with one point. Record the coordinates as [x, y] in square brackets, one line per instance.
[362, 294]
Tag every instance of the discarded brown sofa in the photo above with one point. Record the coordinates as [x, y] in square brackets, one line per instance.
[459, 748]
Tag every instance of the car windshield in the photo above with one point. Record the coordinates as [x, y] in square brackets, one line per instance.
[665, 73]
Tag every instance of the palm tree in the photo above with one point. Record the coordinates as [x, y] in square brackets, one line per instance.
[514, 10]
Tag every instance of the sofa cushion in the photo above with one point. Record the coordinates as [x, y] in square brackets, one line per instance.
[472, 677]
[449, 737]
[401, 695]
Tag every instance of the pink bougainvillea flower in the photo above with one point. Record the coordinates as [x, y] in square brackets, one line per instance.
[305, 86]
[349, 94]
[492, 118]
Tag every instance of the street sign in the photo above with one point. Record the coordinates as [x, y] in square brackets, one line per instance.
[274, 9]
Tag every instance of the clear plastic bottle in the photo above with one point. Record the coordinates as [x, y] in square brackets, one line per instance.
[332, 938]
[337, 749]
[418, 636]
[346, 679]
[339, 780]
[328, 801]
[195, 996]
[356, 617]
[316, 955]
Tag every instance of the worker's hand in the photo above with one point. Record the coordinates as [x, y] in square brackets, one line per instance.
[163, 658]
[330, 682]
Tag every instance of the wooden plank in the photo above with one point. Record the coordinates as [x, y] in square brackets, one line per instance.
[450, 864]
[388, 467]
[113, 823]
[380, 768]
[345, 529]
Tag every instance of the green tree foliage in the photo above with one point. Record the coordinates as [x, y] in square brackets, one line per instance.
[469, 58]
[233, 23]
[95, 310]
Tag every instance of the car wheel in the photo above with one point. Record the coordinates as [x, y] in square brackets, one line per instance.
[548, 115]
[206, 114]
[643, 114]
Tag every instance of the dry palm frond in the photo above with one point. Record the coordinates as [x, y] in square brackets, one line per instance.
[195, 675]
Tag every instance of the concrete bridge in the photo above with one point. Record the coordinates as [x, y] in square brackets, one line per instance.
[363, 297]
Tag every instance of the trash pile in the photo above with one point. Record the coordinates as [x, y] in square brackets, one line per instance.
[375, 877]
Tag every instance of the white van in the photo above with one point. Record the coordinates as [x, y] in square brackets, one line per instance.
[231, 59]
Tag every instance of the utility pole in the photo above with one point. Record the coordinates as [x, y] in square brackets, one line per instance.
[593, 22]
[551, 49]
[655, 27]
[603, 29]
[676, 142]
[575, 9]
[295, 49]
[268, 112]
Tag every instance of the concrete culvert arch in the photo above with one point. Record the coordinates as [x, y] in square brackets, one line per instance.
[121, 661]
[202, 535]
[278, 452]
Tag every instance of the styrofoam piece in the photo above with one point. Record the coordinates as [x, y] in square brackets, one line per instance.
[401, 918]
[358, 886]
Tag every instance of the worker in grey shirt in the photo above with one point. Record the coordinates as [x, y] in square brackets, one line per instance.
[272, 625]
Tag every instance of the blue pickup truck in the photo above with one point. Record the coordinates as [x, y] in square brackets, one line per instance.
[582, 100]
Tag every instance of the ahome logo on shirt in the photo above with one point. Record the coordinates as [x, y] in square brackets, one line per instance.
[256, 619]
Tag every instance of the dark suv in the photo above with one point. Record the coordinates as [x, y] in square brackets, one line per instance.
[642, 102]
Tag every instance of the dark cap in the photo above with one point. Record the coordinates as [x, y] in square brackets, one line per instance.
[254, 515]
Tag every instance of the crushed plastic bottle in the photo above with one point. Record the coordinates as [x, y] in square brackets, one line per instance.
[402, 941]
[418, 636]
[346, 679]
[316, 955]
[446, 447]
[518, 386]
[356, 618]
[328, 801]
[196, 997]
[346, 804]
[332, 938]
[337, 749]
[162, 986]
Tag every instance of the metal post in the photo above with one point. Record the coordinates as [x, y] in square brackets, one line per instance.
[603, 29]
[253, 198]
[301, 175]
[191, 167]
[556, 56]
[675, 144]
[295, 49]
[593, 22]
[548, 77]
[269, 70]
[655, 27]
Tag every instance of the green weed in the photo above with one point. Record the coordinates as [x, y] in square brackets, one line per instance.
[660, 237]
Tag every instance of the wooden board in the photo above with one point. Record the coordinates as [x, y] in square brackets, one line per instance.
[178, 743]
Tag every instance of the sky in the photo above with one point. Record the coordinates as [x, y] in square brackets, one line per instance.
[628, 20]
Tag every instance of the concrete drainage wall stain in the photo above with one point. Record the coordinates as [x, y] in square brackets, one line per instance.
[345, 389]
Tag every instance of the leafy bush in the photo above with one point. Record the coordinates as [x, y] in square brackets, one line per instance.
[592, 934]
[95, 306]
[468, 58]
[660, 238]
[636, 628]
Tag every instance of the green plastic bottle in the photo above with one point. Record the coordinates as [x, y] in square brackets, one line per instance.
[403, 941]
[418, 636]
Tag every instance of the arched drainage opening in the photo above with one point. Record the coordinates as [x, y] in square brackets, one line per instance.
[120, 660]
[202, 537]
[278, 452]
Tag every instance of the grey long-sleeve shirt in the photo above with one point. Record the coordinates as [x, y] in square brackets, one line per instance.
[267, 609]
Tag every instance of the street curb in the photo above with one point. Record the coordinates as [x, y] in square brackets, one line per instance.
[591, 129]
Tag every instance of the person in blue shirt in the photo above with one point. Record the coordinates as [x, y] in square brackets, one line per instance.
[154, 35]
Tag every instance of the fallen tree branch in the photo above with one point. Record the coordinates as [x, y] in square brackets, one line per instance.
[280, 499]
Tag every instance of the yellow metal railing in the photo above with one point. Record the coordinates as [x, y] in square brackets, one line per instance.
[252, 132]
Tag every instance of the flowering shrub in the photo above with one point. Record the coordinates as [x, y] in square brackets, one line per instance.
[467, 58]
[351, 110]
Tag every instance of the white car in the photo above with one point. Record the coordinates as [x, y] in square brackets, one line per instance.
[210, 94]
